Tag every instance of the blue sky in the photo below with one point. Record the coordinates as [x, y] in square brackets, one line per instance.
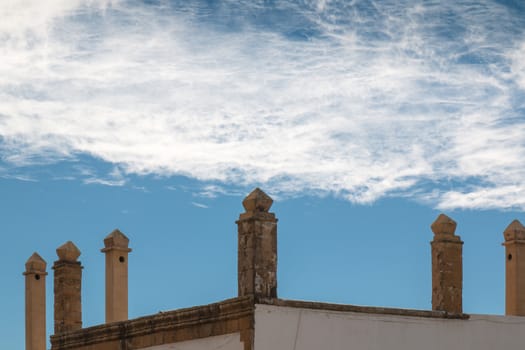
[362, 119]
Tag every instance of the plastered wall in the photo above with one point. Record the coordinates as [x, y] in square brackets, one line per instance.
[286, 328]
[222, 342]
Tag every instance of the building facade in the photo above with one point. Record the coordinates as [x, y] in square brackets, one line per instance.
[258, 320]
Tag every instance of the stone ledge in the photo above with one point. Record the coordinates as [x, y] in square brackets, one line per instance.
[228, 316]
[361, 309]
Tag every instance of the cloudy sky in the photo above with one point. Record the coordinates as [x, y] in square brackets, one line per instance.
[350, 107]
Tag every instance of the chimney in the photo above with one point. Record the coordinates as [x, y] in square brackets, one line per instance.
[514, 244]
[447, 266]
[35, 303]
[68, 281]
[257, 250]
[116, 250]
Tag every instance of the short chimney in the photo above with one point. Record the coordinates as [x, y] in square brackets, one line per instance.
[68, 283]
[514, 244]
[35, 276]
[447, 266]
[116, 250]
[257, 254]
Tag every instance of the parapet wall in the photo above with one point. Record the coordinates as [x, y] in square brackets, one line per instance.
[233, 316]
[316, 326]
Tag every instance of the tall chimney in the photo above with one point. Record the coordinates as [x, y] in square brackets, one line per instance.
[35, 303]
[68, 283]
[116, 250]
[447, 266]
[514, 244]
[257, 250]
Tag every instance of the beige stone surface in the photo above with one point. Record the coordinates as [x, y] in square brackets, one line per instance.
[257, 200]
[116, 239]
[67, 289]
[447, 266]
[226, 317]
[514, 244]
[116, 251]
[68, 252]
[257, 247]
[35, 303]
[35, 264]
[443, 225]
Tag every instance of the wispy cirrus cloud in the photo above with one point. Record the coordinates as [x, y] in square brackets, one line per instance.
[199, 205]
[113, 178]
[359, 99]
[518, 66]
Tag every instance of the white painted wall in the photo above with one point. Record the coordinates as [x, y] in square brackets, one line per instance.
[222, 342]
[284, 328]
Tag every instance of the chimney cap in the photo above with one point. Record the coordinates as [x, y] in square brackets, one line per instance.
[35, 263]
[443, 225]
[116, 239]
[515, 231]
[68, 252]
[257, 200]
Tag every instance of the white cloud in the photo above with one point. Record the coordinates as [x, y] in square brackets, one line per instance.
[212, 191]
[113, 178]
[199, 205]
[518, 65]
[376, 104]
[106, 182]
[18, 177]
[488, 198]
[22, 16]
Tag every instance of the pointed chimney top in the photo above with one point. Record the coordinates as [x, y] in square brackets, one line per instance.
[257, 200]
[116, 239]
[515, 231]
[443, 225]
[68, 252]
[35, 263]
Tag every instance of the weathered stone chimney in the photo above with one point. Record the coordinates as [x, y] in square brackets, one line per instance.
[447, 266]
[116, 250]
[35, 303]
[67, 288]
[514, 244]
[257, 254]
